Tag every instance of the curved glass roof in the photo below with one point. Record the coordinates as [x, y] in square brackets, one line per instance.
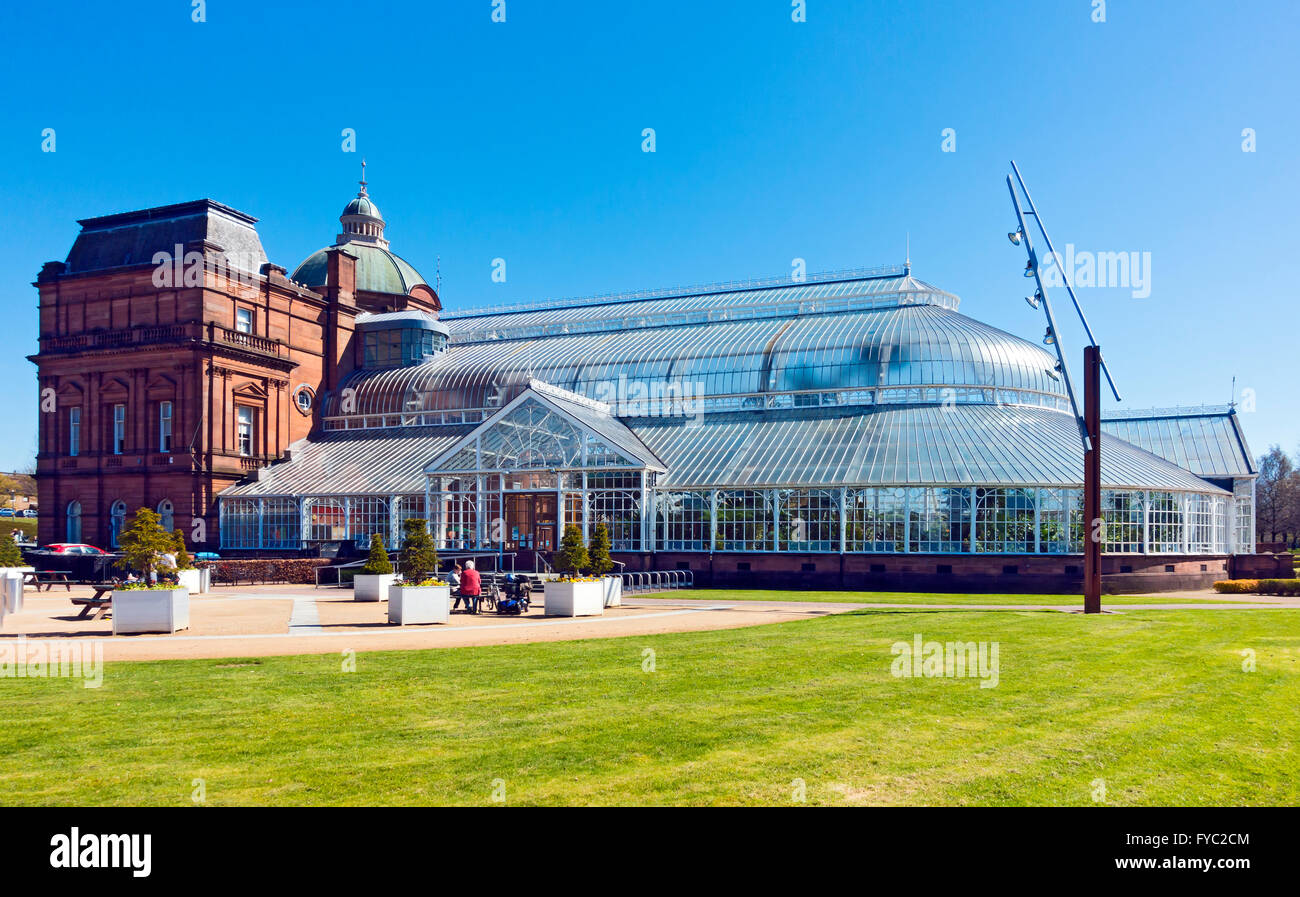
[985, 445]
[900, 346]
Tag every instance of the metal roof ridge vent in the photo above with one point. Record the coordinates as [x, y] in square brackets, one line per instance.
[1173, 411]
[561, 393]
[732, 286]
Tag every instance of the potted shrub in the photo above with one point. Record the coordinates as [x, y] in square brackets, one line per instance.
[376, 575]
[573, 594]
[148, 606]
[186, 573]
[600, 564]
[12, 569]
[420, 597]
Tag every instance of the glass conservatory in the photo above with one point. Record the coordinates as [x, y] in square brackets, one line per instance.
[852, 413]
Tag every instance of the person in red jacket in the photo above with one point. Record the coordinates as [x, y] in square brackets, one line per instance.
[470, 589]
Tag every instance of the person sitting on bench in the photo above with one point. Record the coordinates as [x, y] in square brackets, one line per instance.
[470, 589]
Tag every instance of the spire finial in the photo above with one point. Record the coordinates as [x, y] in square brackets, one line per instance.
[907, 262]
[363, 175]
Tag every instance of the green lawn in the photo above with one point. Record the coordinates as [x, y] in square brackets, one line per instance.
[1155, 703]
[724, 595]
[26, 524]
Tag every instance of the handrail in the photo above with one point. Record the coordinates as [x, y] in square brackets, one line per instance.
[338, 583]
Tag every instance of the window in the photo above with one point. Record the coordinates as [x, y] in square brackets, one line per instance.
[117, 522]
[244, 426]
[119, 429]
[74, 433]
[684, 521]
[74, 521]
[304, 400]
[244, 320]
[164, 426]
[166, 515]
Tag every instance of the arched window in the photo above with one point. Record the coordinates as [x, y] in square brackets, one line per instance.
[117, 522]
[74, 521]
[166, 514]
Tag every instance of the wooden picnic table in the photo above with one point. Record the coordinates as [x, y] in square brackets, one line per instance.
[48, 578]
[100, 604]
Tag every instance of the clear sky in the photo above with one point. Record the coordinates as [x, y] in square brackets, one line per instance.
[775, 140]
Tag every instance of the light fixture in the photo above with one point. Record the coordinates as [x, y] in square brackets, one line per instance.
[1029, 269]
[1049, 338]
[1033, 300]
[1052, 373]
[1014, 237]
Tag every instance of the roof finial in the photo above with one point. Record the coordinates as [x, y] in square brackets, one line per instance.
[363, 176]
[907, 262]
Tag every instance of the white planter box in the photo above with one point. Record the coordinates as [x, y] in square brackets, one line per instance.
[151, 610]
[193, 580]
[613, 591]
[575, 599]
[11, 588]
[371, 586]
[419, 604]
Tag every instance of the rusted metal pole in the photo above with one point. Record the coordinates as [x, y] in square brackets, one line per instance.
[1092, 480]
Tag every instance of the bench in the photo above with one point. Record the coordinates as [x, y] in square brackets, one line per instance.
[48, 578]
[101, 602]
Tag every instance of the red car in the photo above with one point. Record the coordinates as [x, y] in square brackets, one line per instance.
[74, 548]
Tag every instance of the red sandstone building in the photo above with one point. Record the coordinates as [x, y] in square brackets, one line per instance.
[174, 359]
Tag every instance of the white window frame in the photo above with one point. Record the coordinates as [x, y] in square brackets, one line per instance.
[165, 426]
[119, 429]
[245, 429]
[74, 431]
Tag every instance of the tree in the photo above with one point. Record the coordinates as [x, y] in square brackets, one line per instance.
[419, 555]
[571, 559]
[183, 561]
[598, 560]
[143, 543]
[8, 486]
[1276, 495]
[10, 554]
[377, 564]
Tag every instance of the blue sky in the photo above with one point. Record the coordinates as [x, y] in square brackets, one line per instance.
[775, 140]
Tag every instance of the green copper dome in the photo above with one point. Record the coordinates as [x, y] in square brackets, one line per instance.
[378, 270]
[362, 205]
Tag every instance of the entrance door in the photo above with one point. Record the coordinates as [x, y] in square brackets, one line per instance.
[544, 521]
[530, 521]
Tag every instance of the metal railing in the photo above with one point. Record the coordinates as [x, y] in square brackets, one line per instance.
[658, 580]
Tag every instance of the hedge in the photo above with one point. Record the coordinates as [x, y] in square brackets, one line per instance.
[250, 570]
[1258, 587]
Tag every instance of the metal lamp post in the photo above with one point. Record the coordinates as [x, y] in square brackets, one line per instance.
[1089, 422]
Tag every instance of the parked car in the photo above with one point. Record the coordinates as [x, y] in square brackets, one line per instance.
[74, 548]
[26, 512]
[206, 556]
[7, 512]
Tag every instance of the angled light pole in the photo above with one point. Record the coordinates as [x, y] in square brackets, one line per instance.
[1089, 422]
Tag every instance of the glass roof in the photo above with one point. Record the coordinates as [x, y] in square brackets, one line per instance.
[909, 345]
[1207, 441]
[990, 445]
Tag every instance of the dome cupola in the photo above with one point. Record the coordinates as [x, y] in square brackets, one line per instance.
[361, 220]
